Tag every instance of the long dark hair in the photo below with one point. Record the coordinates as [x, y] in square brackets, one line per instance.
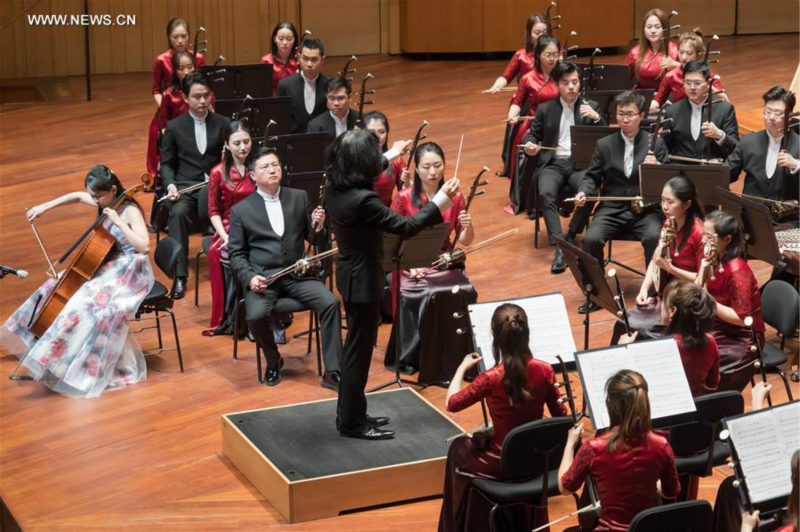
[683, 189]
[644, 44]
[543, 42]
[100, 178]
[510, 345]
[176, 63]
[422, 149]
[227, 157]
[172, 24]
[377, 115]
[285, 25]
[792, 516]
[354, 160]
[694, 312]
[533, 20]
[628, 407]
[725, 225]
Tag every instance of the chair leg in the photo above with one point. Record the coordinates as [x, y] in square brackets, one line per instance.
[197, 277]
[319, 347]
[493, 517]
[310, 330]
[158, 331]
[258, 364]
[236, 329]
[536, 209]
[177, 340]
[786, 384]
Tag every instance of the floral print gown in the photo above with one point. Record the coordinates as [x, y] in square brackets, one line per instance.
[87, 348]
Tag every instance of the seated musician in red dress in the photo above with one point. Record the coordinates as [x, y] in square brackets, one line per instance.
[651, 59]
[626, 462]
[534, 89]
[163, 77]
[282, 55]
[396, 174]
[690, 48]
[228, 183]
[735, 288]
[417, 286]
[515, 389]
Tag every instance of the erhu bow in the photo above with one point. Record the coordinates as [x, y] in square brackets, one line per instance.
[362, 101]
[458, 255]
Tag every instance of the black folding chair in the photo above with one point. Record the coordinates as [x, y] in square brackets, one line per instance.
[780, 307]
[689, 516]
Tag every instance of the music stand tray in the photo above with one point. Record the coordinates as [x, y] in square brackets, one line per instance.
[608, 106]
[234, 82]
[583, 140]
[707, 180]
[609, 77]
[258, 112]
[418, 251]
[301, 152]
[755, 220]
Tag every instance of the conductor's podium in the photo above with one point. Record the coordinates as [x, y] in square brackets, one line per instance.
[298, 461]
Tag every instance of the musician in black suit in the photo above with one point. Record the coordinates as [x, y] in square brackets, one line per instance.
[769, 171]
[551, 127]
[192, 146]
[340, 117]
[359, 218]
[614, 171]
[690, 130]
[307, 87]
[267, 233]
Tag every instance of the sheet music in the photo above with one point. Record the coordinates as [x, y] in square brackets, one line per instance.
[551, 333]
[765, 441]
[658, 361]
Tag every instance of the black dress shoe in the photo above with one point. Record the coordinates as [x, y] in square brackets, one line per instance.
[592, 307]
[331, 380]
[377, 421]
[272, 376]
[371, 433]
[559, 262]
[179, 288]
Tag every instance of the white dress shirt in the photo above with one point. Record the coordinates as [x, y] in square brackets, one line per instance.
[274, 210]
[200, 132]
[341, 124]
[773, 147]
[628, 159]
[697, 121]
[309, 92]
[564, 146]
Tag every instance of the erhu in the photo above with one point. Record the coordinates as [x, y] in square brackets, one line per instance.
[198, 43]
[619, 298]
[347, 70]
[567, 48]
[549, 19]
[790, 209]
[362, 101]
[668, 36]
[418, 137]
[447, 256]
[756, 349]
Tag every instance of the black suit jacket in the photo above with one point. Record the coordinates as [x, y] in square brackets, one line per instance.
[254, 247]
[359, 219]
[325, 123]
[679, 139]
[544, 129]
[750, 155]
[181, 163]
[606, 172]
[293, 86]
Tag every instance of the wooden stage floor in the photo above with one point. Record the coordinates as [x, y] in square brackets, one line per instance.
[149, 457]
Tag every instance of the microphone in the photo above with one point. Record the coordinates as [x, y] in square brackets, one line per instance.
[19, 273]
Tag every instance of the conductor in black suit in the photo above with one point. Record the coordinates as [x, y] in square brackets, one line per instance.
[551, 127]
[690, 130]
[359, 218]
[769, 171]
[307, 87]
[192, 146]
[267, 233]
[340, 117]
[615, 171]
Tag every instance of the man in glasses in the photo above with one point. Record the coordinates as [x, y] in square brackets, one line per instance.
[770, 172]
[691, 130]
[339, 117]
[614, 172]
[549, 138]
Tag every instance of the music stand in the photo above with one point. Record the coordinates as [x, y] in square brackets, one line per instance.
[418, 251]
[301, 152]
[755, 220]
[234, 82]
[609, 77]
[608, 106]
[583, 140]
[590, 275]
[257, 113]
[707, 180]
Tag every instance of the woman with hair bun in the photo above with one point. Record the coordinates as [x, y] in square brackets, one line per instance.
[515, 390]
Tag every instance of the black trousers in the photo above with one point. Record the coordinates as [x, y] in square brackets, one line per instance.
[557, 175]
[188, 214]
[363, 320]
[311, 293]
[613, 223]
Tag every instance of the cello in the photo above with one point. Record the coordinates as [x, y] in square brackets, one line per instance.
[97, 242]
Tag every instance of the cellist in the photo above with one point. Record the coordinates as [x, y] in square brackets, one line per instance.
[87, 348]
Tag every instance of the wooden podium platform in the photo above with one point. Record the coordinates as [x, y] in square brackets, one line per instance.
[296, 458]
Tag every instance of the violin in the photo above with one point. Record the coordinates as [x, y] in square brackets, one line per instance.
[97, 244]
[709, 262]
[666, 244]
[362, 94]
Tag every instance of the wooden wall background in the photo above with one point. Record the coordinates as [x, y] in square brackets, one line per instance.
[239, 29]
